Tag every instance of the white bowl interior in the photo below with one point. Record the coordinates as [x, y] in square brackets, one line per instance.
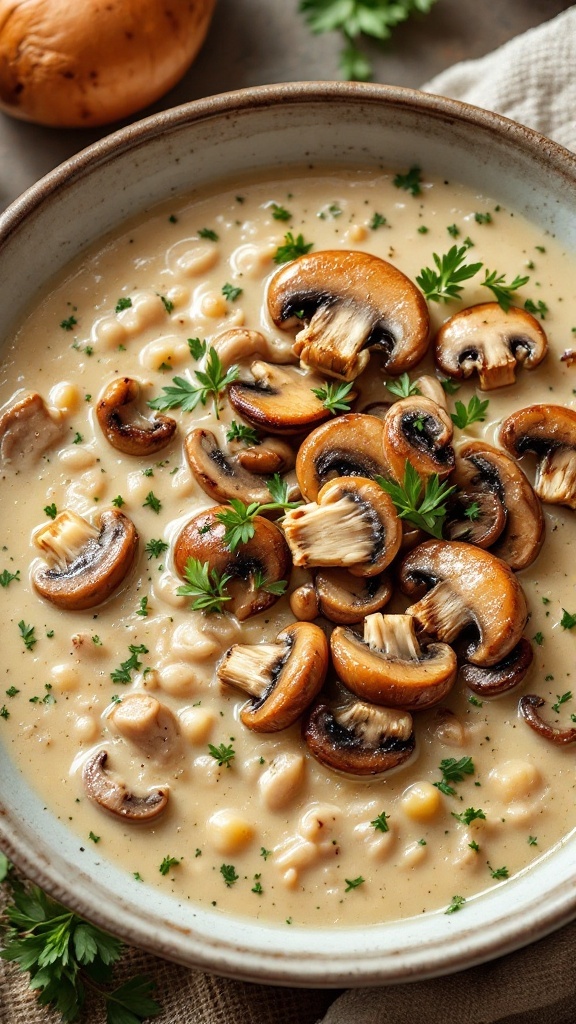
[51, 224]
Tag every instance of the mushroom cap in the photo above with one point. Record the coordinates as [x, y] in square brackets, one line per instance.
[490, 341]
[224, 476]
[483, 468]
[418, 430]
[280, 399]
[115, 797]
[354, 301]
[550, 432]
[485, 527]
[76, 65]
[266, 552]
[353, 523]
[125, 436]
[358, 738]
[295, 680]
[468, 588]
[394, 679]
[346, 599]
[27, 430]
[349, 445]
[496, 679]
[96, 569]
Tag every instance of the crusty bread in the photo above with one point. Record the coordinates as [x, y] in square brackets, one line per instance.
[75, 63]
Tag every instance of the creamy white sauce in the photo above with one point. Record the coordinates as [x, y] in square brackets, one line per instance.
[293, 831]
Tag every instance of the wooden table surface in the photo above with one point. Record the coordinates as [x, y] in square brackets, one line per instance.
[258, 42]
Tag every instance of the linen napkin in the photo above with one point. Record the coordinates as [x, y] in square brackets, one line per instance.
[531, 79]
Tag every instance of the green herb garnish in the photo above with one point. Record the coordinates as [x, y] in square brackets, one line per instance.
[422, 505]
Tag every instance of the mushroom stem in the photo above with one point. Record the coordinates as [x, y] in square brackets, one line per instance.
[62, 540]
[253, 668]
[333, 339]
[375, 724]
[392, 634]
[340, 533]
[441, 612]
[556, 478]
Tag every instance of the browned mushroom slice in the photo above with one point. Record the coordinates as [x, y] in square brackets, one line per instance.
[353, 524]
[271, 455]
[389, 667]
[350, 302]
[27, 430]
[129, 435]
[527, 706]
[550, 432]
[239, 343]
[253, 567]
[419, 431]
[505, 675]
[477, 517]
[86, 563]
[350, 445]
[223, 476]
[468, 590]
[148, 724]
[359, 738]
[280, 400]
[492, 342]
[114, 796]
[282, 678]
[340, 597]
[483, 469]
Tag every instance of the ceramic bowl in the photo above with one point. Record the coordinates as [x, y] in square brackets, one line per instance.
[49, 225]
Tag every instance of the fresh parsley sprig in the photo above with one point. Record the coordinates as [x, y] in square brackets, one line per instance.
[66, 956]
[474, 412]
[424, 506]
[206, 585]
[242, 432]
[292, 248]
[403, 387]
[183, 394]
[357, 18]
[239, 518]
[453, 771]
[334, 396]
[445, 282]
[503, 292]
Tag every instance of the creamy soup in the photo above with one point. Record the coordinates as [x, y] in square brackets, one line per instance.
[254, 824]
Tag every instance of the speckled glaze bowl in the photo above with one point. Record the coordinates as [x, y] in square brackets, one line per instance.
[50, 224]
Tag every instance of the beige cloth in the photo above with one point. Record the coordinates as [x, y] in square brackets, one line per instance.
[531, 79]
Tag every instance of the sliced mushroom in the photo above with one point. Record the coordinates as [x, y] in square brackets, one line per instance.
[389, 666]
[350, 445]
[271, 455]
[114, 796]
[505, 675]
[350, 302]
[340, 597]
[148, 724]
[239, 343]
[283, 678]
[430, 387]
[130, 436]
[223, 476]
[487, 340]
[550, 432]
[477, 517]
[280, 400]
[265, 557]
[87, 563]
[527, 707]
[483, 469]
[419, 431]
[359, 738]
[468, 590]
[353, 524]
[27, 430]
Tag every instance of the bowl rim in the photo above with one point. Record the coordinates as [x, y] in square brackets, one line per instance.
[237, 958]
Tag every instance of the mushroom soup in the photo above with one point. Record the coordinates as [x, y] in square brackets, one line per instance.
[323, 712]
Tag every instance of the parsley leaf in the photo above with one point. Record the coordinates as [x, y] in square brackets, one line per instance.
[230, 292]
[568, 621]
[426, 510]
[197, 347]
[353, 883]
[503, 292]
[155, 548]
[125, 302]
[445, 282]
[132, 664]
[167, 863]
[453, 771]
[242, 432]
[498, 873]
[280, 212]
[228, 872]
[474, 412]
[403, 386]
[182, 393]
[239, 518]
[536, 308]
[27, 634]
[469, 815]
[410, 181]
[333, 396]
[292, 248]
[223, 755]
[7, 577]
[206, 585]
[561, 699]
[380, 822]
[456, 903]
